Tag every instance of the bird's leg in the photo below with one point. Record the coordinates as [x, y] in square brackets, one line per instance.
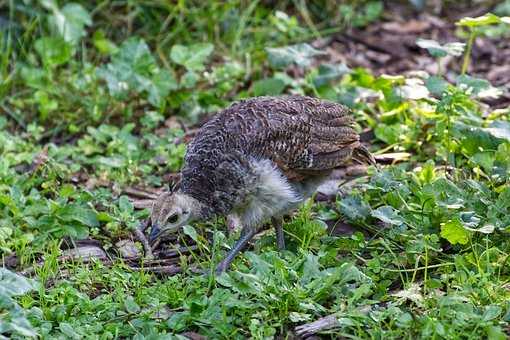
[246, 235]
[280, 237]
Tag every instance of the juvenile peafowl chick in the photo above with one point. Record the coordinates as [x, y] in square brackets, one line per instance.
[259, 159]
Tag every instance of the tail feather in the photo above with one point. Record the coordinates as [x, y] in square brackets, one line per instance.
[361, 155]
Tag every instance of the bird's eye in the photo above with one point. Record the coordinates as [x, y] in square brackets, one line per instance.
[173, 218]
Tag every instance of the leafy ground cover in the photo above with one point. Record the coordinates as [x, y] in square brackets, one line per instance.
[98, 101]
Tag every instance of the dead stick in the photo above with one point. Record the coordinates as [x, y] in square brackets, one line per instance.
[325, 323]
[146, 246]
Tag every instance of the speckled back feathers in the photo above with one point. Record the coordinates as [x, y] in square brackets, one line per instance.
[303, 136]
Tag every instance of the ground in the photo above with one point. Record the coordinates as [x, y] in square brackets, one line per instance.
[99, 101]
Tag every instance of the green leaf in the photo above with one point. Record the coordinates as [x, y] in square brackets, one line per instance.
[131, 306]
[53, 51]
[192, 57]
[484, 20]
[300, 55]
[454, 232]
[495, 333]
[125, 204]
[436, 85]
[103, 45]
[330, 72]
[75, 212]
[387, 214]
[70, 21]
[270, 86]
[491, 312]
[68, 330]
[354, 208]
[191, 232]
[437, 50]
[12, 284]
[133, 68]
[479, 87]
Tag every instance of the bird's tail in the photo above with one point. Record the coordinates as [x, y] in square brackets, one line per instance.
[361, 155]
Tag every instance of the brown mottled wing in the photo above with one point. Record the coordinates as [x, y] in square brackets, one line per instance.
[300, 134]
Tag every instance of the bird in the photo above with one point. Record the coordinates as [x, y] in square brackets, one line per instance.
[257, 161]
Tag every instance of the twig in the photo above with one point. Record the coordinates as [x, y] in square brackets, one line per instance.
[325, 323]
[146, 246]
[142, 193]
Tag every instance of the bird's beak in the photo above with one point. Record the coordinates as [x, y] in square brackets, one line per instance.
[155, 233]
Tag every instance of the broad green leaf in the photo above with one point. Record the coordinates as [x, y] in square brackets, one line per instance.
[192, 57]
[70, 21]
[330, 72]
[133, 68]
[21, 325]
[84, 215]
[131, 306]
[270, 86]
[496, 333]
[354, 208]
[387, 214]
[300, 55]
[68, 330]
[491, 312]
[12, 284]
[436, 85]
[53, 51]
[437, 50]
[125, 204]
[487, 19]
[191, 232]
[454, 232]
[478, 87]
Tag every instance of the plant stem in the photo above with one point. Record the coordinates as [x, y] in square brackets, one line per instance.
[467, 54]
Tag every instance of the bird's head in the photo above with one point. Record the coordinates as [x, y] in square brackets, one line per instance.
[171, 211]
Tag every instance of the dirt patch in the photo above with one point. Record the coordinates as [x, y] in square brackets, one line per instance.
[389, 47]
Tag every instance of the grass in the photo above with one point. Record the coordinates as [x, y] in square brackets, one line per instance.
[87, 103]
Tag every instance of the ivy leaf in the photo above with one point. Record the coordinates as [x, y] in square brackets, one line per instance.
[387, 214]
[192, 57]
[454, 232]
[300, 55]
[437, 50]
